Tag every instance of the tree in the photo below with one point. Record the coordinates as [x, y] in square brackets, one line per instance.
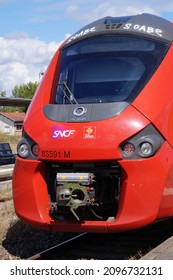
[2, 93]
[25, 90]
[22, 91]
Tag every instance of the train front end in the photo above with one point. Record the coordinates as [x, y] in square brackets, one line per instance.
[96, 153]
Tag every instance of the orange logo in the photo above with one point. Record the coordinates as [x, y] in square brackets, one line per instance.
[89, 132]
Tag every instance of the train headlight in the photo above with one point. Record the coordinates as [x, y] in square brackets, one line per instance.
[129, 149]
[23, 150]
[143, 144]
[146, 148]
[27, 148]
[35, 150]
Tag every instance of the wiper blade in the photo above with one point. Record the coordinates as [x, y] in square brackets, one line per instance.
[71, 98]
[66, 91]
[65, 94]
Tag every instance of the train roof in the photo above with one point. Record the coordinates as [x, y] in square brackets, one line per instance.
[146, 25]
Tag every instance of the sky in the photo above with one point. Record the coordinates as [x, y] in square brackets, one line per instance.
[32, 30]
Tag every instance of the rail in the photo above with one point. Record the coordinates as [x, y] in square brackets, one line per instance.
[134, 244]
[61, 247]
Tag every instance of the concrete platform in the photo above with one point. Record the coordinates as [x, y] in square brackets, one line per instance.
[162, 252]
[6, 172]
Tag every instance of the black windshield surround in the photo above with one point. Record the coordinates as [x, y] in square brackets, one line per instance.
[109, 68]
[102, 75]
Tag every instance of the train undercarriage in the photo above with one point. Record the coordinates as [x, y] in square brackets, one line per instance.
[83, 191]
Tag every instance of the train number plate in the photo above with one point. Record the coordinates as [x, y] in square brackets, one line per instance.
[54, 154]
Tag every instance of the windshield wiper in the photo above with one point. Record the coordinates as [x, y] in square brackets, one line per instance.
[67, 91]
[65, 94]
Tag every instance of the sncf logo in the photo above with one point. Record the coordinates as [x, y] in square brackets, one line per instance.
[62, 133]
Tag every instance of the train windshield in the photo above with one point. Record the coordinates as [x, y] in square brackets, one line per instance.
[107, 68]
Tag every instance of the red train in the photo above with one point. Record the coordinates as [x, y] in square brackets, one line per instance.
[97, 147]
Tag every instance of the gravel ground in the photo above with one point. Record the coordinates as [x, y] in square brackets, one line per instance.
[18, 240]
[21, 241]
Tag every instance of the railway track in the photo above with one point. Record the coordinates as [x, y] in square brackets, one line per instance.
[116, 246]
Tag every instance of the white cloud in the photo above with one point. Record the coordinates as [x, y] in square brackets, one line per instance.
[100, 9]
[22, 59]
[91, 10]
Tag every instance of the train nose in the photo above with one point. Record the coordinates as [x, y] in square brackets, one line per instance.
[97, 140]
